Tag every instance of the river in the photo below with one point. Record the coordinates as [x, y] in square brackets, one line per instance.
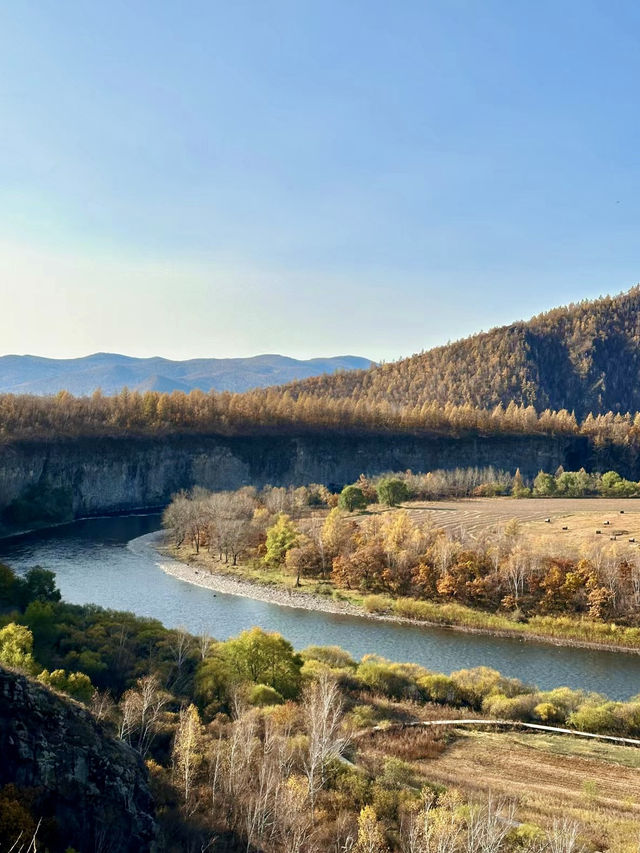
[96, 560]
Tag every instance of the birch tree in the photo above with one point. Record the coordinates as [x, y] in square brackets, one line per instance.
[323, 712]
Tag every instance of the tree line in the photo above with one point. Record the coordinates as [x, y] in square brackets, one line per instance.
[394, 487]
[287, 410]
[252, 746]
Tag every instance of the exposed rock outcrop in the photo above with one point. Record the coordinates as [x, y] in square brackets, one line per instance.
[115, 475]
[111, 475]
[92, 784]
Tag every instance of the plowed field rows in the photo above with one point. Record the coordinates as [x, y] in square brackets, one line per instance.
[479, 517]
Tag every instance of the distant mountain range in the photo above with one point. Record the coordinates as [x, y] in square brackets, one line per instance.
[583, 357]
[110, 372]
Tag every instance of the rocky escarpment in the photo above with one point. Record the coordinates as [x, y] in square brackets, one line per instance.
[94, 786]
[111, 475]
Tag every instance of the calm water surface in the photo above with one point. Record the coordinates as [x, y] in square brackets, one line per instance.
[94, 563]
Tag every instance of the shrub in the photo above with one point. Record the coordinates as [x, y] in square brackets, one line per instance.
[595, 718]
[363, 717]
[352, 498]
[333, 656]
[564, 700]
[392, 491]
[397, 773]
[547, 712]
[377, 604]
[349, 781]
[261, 695]
[510, 707]
[16, 647]
[386, 678]
[474, 685]
[440, 688]
[75, 684]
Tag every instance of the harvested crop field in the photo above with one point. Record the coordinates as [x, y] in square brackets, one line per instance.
[478, 517]
[547, 777]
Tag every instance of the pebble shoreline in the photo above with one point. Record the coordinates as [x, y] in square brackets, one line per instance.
[220, 582]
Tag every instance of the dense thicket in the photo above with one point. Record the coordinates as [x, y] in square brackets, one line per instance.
[583, 358]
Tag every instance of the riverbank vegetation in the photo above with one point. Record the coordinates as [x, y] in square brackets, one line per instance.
[395, 563]
[251, 745]
[483, 482]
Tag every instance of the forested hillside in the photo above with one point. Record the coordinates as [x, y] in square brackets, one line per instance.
[546, 376]
[583, 358]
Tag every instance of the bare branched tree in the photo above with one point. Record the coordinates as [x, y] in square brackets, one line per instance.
[102, 704]
[205, 641]
[488, 827]
[323, 712]
[140, 713]
[563, 837]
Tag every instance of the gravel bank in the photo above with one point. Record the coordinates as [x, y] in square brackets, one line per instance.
[153, 544]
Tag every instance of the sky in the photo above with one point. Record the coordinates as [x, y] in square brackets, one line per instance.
[374, 178]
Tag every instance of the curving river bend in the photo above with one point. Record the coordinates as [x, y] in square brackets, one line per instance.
[96, 560]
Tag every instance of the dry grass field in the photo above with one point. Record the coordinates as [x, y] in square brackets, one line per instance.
[549, 777]
[479, 517]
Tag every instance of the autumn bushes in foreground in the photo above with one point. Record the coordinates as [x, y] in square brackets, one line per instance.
[253, 746]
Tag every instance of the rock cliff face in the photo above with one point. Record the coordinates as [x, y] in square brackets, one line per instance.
[93, 785]
[111, 475]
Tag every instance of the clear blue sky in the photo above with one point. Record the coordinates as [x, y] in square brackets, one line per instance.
[228, 178]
